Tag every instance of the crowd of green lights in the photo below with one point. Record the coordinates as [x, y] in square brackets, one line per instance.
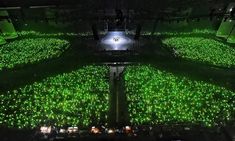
[79, 98]
[27, 51]
[58, 34]
[158, 97]
[203, 50]
[182, 33]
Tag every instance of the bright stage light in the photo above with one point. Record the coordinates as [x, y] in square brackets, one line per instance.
[72, 129]
[45, 130]
[95, 130]
[116, 40]
[111, 131]
[62, 130]
[128, 128]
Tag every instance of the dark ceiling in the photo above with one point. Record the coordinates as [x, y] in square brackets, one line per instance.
[145, 8]
[102, 4]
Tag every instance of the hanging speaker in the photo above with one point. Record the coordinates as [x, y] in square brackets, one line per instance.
[137, 32]
[95, 32]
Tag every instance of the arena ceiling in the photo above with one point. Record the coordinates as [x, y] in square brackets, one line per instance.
[142, 8]
[99, 4]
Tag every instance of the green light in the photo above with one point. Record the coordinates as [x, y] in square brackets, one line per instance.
[27, 51]
[78, 98]
[203, 50]
[60, 34]
[158, 97]
[175, 34]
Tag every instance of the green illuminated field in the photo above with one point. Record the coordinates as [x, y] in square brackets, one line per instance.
[183, 33]
[159, 97]
[57, 34]
[29, 51]
[78, 98]
[204, 50]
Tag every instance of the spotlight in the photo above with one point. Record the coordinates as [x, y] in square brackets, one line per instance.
[62, 131]
[127, 130]
[232, 12]
[111, 131]
[45, 130]
[95, 130]
[72, 129]
[186, 128]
